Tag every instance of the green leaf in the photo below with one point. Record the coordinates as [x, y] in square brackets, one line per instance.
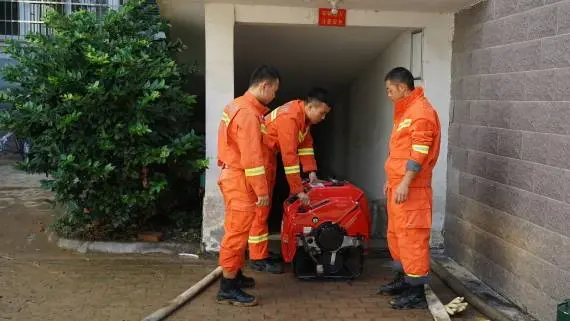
[109, 168]
[165, 152]
[94, 87]
[139, 129]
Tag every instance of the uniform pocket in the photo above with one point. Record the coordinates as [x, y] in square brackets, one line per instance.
[417, 208]
[236, 192]
[418, 218]
[395, 167]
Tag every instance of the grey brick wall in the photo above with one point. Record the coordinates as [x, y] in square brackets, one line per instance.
[508, 199]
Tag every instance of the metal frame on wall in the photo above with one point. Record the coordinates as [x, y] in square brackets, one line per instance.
[20, 17]
[416, 58]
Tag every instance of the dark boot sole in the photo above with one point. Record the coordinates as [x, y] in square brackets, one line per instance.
[236, 303]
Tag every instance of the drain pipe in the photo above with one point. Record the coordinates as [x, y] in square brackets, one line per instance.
[185, 296]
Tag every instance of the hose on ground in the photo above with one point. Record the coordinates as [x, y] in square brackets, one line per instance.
[185, 296]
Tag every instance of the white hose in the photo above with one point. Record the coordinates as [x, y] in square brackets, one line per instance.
[180, 300]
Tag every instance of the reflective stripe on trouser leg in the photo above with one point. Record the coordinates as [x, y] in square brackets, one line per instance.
[239, 215]
[417, 279]
[391, 234]
[236, 231]
[414, 234]
[258, 241]
[415, 255]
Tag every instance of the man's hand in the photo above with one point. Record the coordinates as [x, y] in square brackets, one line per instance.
[401, 194]
[386, 189]
[262, 201]
[313, 177]
[304, 198]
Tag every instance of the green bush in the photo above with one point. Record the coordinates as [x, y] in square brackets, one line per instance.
[101, 102]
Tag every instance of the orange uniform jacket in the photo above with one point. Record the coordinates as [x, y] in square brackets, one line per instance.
[240, 142]
[288, 131]
[415, 140]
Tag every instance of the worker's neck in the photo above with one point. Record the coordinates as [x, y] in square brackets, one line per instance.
[306, 111]
[255, 93]
[400, 103]
[405, 95]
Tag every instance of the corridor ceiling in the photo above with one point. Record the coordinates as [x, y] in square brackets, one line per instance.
[187, 16]
[308, 55]
[396, 5]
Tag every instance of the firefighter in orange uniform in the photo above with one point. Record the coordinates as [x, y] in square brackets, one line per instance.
[243, 180]
[413, 152]
[287, 130]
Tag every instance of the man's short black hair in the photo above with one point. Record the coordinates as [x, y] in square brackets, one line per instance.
[319, 94]
[264, 73]
[401, 75]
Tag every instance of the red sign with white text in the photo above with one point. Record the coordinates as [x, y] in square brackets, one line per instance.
[327, 18]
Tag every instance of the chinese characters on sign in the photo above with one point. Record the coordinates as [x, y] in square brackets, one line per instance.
[327, 18]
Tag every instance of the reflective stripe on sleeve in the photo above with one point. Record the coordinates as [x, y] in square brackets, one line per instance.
[292, 169]
[256, 171]
[306, 151]
[226, 118]
[422, 149]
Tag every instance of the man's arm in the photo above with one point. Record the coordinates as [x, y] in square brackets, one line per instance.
[251, 148]
[306, 153]
[422, 131]
[287, 131]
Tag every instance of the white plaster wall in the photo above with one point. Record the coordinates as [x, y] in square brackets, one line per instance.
[368, 148]
[220, 19]
[219, 29]
[437, 84]
[370, 123]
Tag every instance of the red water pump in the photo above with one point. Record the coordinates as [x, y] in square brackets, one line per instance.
[329, 237]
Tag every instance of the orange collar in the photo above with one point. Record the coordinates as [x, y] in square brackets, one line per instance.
[299, 106]
[406, 101]
[258, 106]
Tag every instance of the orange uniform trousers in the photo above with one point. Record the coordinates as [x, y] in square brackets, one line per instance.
[259, 233]
[409, 230]
[240, 210]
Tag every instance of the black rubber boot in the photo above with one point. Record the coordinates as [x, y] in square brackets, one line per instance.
[243, 281]
[231, 294]
[413, 298]
[397, 286]
[266, 265]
